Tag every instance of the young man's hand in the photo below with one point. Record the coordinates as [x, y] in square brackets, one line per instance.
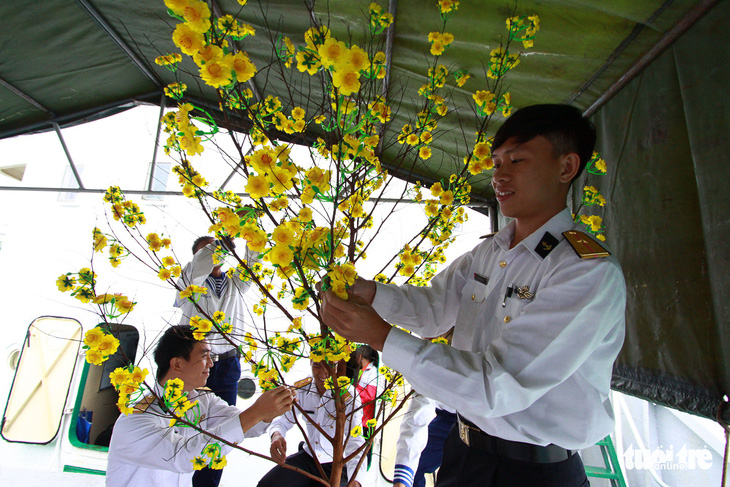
[354, 319]
[278, 448]
[364, 289]
[269, 405]
[275, 402]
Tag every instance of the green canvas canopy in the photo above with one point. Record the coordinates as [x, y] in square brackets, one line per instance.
[652, 75]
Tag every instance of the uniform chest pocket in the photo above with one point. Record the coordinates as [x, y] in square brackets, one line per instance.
[474, 292]
[512, 308]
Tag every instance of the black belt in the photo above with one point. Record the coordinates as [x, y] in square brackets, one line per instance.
[474, 437]
[230, 353]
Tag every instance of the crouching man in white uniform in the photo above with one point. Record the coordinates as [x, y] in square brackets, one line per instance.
[145, 450]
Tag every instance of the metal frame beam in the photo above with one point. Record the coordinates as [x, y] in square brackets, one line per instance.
[136, 60]
[389, 41]
[153, 166]
[75, 116]
[26, 97]
[68, 155]
[178, 193]
[691, 18]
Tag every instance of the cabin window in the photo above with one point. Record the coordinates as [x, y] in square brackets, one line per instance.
[95, 411]
[42, 380]
[70, 181]
[159, 181]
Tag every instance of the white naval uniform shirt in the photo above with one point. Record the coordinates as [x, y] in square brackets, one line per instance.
[231, 301]
[145, 451]
[321, 409]
[536, 370]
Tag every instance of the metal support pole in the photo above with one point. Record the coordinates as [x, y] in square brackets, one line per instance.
[68, 155]
[153, 166]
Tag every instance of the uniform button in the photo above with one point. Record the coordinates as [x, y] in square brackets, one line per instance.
[507, 319]
[473, 297]
[503, 264]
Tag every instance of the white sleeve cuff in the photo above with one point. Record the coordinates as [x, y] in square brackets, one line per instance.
[399, 350]
[257, 430]
[403, 474]
[385, 298]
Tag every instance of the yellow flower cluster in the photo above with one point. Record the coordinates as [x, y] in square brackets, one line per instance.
[523, 29]
[591, 196]
[83, 289]
[340, 277]
[177, 403]
[461, 77]
[481, 157]
[127, 380]
[182, 136]
[274, 172]
[329, 348]
[192, 292]
[168, 59]
[187, 136]
[191, 180]
[169, 269]
[123, 209]
[437, 76]
[230, 27]
[206, 42]
[439, 42]
[99, 345]
[175, 91]
[379, 20]
[448, 6]
[119, 301]
[300, 300]
[100, 243]
[215, 459]
[501, 61]
[345, 64]
[593, 223]
[99, 240]
[268, 376]
[316, 182]
[200, 326]
[286, 51]
[596, 165]
[485, 101]
[156, 243]
[342, 383]
[285, 345]
[409, 261]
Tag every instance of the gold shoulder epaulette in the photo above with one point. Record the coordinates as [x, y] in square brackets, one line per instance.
[585, 246]
[346, 396]
[303, 383]
[145, 403]
[204, 389]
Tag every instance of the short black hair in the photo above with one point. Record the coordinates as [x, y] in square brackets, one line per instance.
[176, 341]
[198, 244]
[563, 125]
[368, 353]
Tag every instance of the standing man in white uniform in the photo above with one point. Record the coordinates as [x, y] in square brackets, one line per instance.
[538, 323]
[146, 451]
[224, 294]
